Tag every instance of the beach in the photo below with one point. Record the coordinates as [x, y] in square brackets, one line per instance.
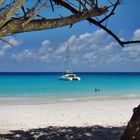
[33, 113]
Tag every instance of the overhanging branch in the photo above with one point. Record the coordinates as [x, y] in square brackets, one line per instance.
[1, 1]
[131, 42]
[10, 12]
[89, 10]
[15, 25]
[7, 42]
[97, 23]
[112, 11]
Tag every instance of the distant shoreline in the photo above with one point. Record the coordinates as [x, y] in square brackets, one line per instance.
[35, 73]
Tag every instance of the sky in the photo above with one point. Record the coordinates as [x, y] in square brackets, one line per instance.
[91, 48]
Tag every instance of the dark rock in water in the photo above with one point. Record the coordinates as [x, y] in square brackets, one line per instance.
[132, 131]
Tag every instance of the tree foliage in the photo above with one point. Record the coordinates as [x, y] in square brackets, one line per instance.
[18, 16]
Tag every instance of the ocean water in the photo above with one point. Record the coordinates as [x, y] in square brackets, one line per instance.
[47, 84]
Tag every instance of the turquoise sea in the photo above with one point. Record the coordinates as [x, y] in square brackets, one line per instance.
[47, 84]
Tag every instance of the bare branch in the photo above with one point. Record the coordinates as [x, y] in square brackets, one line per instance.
[15, 25]
[1, 1]
[6, 42]
[10, 12]
[81, 9]
[35, 14]
[131, 42]
[52, 5]
[122, 43]
[112, 11]
[37, 3]
[23, 9]
[97, 2]
[106, 29]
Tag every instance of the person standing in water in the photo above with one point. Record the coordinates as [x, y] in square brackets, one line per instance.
[97, 90]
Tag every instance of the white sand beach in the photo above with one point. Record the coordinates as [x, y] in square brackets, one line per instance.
[25, 114]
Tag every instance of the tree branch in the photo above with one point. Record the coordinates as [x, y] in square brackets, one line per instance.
[6, 42]
[97, 23]
[1, 1]
[122, 43]
[90, 9]
[131, 42]
[112, 11]
[35, 14]
[15, 25]
[52, 5]
[10, 12]
[106, 29]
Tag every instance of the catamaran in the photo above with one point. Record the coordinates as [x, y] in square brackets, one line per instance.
[69, 75]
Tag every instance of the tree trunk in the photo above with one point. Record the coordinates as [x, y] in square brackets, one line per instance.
[132, 131]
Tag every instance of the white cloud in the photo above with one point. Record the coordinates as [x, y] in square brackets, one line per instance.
[94, 49]
[5, 47]
[41, 54]
[45, 48]
[61, 49]
[2, 53]
[13, 42]
[83, 42]
[88, 55]
[44, 58]
[24, 54]
[46, 43]
[136, 34]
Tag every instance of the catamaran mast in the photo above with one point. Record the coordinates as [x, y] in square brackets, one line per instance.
[67, 65]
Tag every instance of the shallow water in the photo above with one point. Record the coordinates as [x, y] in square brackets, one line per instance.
[47, 84]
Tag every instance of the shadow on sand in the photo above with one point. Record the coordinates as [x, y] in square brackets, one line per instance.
[66, 133]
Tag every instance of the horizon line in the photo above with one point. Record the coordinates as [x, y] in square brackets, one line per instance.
[74, 72]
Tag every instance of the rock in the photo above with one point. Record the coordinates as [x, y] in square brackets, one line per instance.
[132, 131]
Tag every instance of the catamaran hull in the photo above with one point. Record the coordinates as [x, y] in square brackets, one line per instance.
[69, 78]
